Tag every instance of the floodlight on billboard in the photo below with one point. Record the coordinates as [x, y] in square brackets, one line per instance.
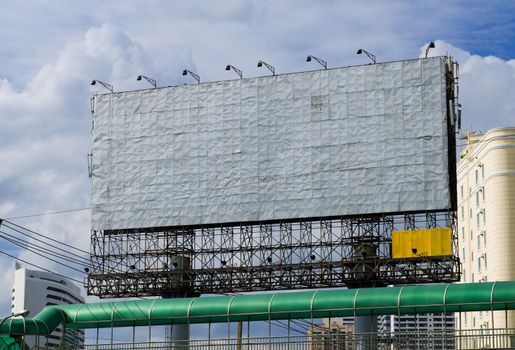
[347, 141]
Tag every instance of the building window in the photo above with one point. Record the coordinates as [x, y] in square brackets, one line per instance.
[477, 199]
[471, 255]
[463, 233]
[463, 255]
[479, 264]
[471, 234]
[477, 220]
[472, 277]
[461, 191]
[482, 171]
[484, 238]
[484, 258]
[470, 215]
[484, 216]
[462, 213]
[478, 242]
[464, 276]
[483, 193]
[477, 177]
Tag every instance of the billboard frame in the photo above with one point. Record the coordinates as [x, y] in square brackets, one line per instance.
[140, 261]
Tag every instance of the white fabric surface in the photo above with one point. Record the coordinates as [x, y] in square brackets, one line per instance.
[356, 140]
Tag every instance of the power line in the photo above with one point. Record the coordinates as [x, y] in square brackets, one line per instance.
[43, 256]
[39, 267]
[41, 235]
[82, 260]
[282, 324]
[47, 213]
[24, 243]
[64, 252]
[74, 256]
[36, 249]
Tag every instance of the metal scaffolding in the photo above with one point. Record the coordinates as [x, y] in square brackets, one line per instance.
[293, 254]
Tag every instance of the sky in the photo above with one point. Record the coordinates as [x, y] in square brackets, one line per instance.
[51, 50]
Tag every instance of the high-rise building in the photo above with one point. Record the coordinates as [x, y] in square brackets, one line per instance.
[332, 334]
[33, 290]
[486, 217]
[420, 331]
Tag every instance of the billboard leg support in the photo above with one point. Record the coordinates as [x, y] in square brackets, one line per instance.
[366, 332]
[179, 334]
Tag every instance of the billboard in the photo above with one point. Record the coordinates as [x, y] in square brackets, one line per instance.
[346, 141]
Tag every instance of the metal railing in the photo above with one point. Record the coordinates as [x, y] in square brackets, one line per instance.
[470, 339]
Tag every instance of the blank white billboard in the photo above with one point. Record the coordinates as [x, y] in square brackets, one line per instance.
[346, 141]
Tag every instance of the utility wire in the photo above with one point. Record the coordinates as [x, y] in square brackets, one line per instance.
[84, 261]
[47, 213]
[41, 251]
[43, 256]
[10, 224]
[39, 267]
[75, 256]
[282, 324]
[64, 252]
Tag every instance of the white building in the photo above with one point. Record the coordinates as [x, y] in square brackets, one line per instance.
[486, 218]
[431, 330]
[33, 290]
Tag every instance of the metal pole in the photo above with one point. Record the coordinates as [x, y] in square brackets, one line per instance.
[461, 327]
[330, 332]
[248, 331]
[506, 324]
[289, 332]
[133, 336]
[209, 333]
[269, 332]
[444, 343]
[239, 335]
[493, 322]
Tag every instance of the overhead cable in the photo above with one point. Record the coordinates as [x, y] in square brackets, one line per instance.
[39, 267]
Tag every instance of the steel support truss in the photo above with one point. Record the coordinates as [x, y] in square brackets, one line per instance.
[331, 252]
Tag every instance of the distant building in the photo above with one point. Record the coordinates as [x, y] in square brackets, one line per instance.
[33, 290]
[333, 334]
[486, 219]
[418, 331]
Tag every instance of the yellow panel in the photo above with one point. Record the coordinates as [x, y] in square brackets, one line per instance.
[422, 243]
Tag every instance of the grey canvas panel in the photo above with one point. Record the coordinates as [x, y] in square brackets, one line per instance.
[345, 141]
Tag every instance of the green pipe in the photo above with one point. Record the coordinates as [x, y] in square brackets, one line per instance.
[255, 307]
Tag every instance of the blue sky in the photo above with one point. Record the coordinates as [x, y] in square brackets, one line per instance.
[51, 50]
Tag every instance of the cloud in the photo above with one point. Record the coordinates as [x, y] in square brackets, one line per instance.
[6, 265]
[44, 117]
[487, 87]
[46, 125]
